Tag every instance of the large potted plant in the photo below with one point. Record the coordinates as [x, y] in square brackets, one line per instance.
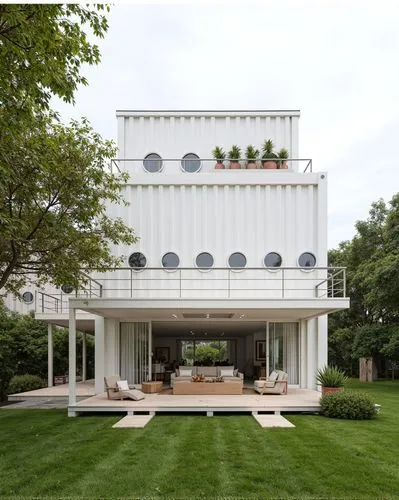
[219, 155]
[283, 155]
[234, 155]
[251, 155]
[268, 156]
[331, 379]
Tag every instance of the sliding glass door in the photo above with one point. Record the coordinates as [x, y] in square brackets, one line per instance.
[134, 352]
[207, 352]
[284, 349]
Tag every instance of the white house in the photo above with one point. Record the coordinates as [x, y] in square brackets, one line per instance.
[236, 259]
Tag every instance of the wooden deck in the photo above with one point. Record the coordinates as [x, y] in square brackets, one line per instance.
[84, 390]
[297, 400]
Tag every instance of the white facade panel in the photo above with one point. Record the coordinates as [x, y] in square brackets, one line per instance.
[175, 134]
[223, 219]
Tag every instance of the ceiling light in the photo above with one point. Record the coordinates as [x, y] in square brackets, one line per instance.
[207, 315]
[174, 316]
[242, 315]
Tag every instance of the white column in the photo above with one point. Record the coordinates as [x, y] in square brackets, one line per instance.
[311, 353]
[99, 354]
[84, 357]
[303, 359]
[267, 350]
[149, 350]
[72, 355]
[50, 355]
[322, 341]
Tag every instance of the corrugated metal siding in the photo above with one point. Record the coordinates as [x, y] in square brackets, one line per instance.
[222, 219]
[174, 136]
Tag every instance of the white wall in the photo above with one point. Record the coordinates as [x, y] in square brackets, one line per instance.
[219, 218]
[174, 134]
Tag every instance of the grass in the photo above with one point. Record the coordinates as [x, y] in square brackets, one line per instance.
[44, 453]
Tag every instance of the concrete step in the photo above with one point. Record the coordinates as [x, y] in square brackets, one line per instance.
[138, 421]
[267, 420]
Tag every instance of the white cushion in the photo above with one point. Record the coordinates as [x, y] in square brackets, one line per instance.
[123, 385]
[235, 372]
[273, 376]
[226, 372]
[185, 372]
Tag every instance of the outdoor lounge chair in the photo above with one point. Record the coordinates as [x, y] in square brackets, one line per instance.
[119, 389]
[275, 383]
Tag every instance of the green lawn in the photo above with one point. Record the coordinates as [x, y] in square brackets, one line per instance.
[43, 453]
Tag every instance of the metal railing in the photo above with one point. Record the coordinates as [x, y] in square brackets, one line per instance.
[215, 283]
[55, 301]
[176, 165]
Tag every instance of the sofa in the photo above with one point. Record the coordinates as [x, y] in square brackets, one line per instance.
[275, 383]
[186, 372]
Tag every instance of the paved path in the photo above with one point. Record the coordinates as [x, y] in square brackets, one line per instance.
[39, 404]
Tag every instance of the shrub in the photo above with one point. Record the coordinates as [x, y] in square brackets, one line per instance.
[347, 404]
[23, 383]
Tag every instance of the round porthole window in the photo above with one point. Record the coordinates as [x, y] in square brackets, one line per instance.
[170, 261]
[191, 163]
[273, 259]
[307, 259]
[204, 260]
[67, 288]
[152, 163]
[237, 260]
[137, 260]
[27, 297]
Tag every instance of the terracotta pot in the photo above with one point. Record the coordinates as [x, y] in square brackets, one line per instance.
[283, 164]
[219, 165]
[235, 165]
[331, 390]
[251, 165]
[269, 164]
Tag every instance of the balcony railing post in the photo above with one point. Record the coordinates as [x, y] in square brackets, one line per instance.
[282, 284]
[42, 302]
[228, 283]
[180, 283]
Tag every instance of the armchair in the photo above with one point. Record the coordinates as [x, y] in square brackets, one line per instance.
[276, 383]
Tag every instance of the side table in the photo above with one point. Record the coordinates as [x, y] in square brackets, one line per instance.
[151, 387]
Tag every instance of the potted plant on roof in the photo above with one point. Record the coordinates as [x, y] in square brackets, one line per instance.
[234, 155]
[219, 155]
[268, 156]
[331, 379]
[251, 155]
[283, 155]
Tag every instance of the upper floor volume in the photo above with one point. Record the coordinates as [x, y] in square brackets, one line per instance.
[184, 142]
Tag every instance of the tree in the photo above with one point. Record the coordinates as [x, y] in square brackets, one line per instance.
[372, 261]
[42, 50]
[53, 205]
[56, 180]
[23, 348]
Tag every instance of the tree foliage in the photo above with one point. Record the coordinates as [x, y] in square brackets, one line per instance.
[370, 326]
[56, 181]
[53, 205]
[42, 50]
[23, 349]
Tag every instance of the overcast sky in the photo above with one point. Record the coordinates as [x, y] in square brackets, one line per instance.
[336, 62]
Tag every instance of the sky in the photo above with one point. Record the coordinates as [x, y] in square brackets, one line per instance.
[338, 62]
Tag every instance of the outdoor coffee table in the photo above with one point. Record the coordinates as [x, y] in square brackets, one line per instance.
[185, 387]
[150, 387]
